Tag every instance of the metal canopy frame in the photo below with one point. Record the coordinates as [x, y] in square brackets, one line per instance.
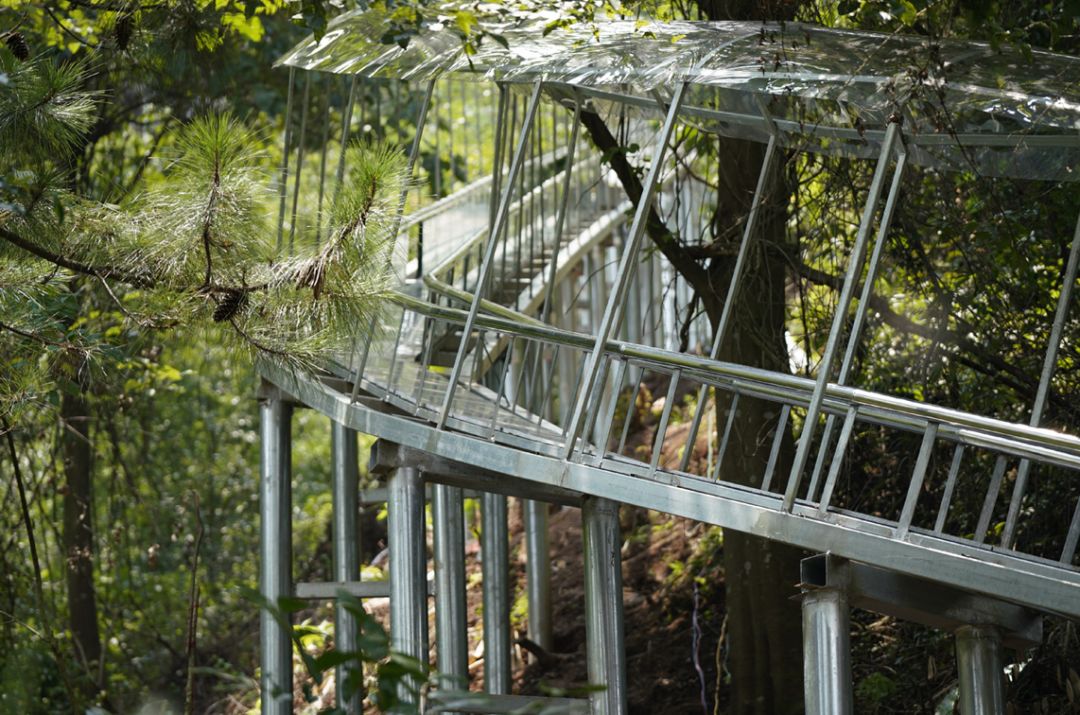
[466, 389]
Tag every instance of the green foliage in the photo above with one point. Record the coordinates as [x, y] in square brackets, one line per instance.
[875, 689]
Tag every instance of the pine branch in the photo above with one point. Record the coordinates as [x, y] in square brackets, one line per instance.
[116, 274]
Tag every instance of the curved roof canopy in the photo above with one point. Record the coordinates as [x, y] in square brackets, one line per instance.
[963, 105]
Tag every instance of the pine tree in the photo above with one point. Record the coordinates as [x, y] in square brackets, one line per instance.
[197, 249]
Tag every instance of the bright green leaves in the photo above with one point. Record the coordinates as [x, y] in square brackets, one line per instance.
[390, 673]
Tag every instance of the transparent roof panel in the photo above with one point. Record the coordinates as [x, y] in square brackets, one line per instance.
[963, 105]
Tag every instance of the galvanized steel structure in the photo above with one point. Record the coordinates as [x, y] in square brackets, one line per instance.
[528, 304]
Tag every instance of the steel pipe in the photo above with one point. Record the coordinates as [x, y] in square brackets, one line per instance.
[980, 670]
[1043, 393]
[497, 226]
[275, 538]
[451, 638]
[345, 474]
[604, 638]
[854, 271]
[494, 549]
[826, 652]
[538, 572]
[408, 568]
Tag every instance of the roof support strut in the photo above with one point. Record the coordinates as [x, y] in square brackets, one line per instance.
[617, 296]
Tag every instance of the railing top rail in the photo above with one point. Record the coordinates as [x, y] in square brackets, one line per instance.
[1058, 447]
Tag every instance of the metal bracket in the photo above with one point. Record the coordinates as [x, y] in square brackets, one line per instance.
[387, 456]
[921, 601]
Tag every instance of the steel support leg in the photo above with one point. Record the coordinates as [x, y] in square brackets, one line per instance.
[604, 642]
[408, 570]
[344, 474]
[979, 670]
[275, 576]
[450, 607]
[826, 652]
[494, 549]
[538, 572]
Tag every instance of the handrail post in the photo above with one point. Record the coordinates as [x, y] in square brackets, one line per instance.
[625, 270]
[1042, 394]
[855, 265]
[489, 253]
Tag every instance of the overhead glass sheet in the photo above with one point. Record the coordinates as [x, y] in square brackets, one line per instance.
[963, 105]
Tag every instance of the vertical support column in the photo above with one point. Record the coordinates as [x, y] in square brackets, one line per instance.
[538, 572]
[344, 475]
[451, 638]
[408, 573]
[275, 537]
[494, 549]
[826, 652]
[979, 670]
[604, 642]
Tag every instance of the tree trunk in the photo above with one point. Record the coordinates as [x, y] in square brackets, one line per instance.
[764, 622]
[78, 527]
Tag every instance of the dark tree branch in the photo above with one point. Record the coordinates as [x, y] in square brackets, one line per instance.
[977, 358]
[73, 265]
[655, 227]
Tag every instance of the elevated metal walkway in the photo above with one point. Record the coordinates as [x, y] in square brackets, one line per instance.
[512, 361]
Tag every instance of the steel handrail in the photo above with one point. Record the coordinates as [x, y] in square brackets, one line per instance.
[1042, 444]
[470, 244]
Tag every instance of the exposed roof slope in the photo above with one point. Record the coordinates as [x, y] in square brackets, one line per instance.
[964, 105]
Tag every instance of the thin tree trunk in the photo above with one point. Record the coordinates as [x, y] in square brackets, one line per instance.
[764, 622]
[78, 527]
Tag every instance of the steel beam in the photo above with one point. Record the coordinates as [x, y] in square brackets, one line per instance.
[494, 550]
[408, 567]
[388, 456]
[275, 536]
[1035, 583]
[921, 601]
[979, 670]
[826, 652]
[344, 473]
[451, 636]
[604, 641]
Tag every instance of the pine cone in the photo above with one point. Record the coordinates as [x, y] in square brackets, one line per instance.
[229, 305]
[123, 29]
[16, 42]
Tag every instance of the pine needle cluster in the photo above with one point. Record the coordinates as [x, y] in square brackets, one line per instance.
[196, 249]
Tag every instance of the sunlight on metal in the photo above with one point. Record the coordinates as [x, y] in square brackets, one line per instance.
[614, 305]
[854, 270]
[532, 327]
